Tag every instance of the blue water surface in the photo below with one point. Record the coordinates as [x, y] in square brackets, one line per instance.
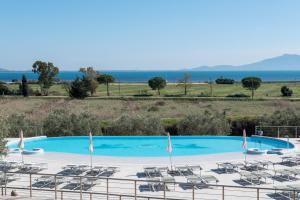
[147, 146]
[170, 76]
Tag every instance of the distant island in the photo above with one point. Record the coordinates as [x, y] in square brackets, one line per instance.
[1, 69]
[283, 62]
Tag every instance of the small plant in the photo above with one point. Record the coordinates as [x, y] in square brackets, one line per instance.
[286, 92]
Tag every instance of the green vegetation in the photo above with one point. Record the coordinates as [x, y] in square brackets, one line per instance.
[47, 73]
[77, 89]
[142, 117]
[252, 84]
[185, 83]
[89, 79]
[4, 132]
[286, 92]
[157, 83]
[24, 87]
[223, 80]
[106, 79]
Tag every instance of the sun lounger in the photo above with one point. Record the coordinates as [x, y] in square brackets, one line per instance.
[168, 180]
[153, 183]
[152, 172]
[184, 171]
[194, 168]
[285, 174]
[249, 177]
[209, 179]
[226, 167]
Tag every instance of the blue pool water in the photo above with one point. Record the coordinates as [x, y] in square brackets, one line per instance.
[146, 146]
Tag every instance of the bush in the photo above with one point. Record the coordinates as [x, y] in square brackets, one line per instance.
[77, 89]
[286, 92]
[4, 132]
[4, 90]
[222, 80]
[238, 95]
[18, 122]
[208, 123]
[63, 123]
[136, 125]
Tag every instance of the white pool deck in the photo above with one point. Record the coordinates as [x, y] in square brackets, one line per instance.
[129, 166]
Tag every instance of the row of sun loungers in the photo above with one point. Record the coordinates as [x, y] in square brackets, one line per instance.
[155, 176]
[22, 167]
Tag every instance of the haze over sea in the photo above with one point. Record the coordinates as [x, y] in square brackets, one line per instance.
[170, 76]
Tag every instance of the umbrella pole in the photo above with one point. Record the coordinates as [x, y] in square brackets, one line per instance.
[22, 156]
[170, 157]
[91, 157]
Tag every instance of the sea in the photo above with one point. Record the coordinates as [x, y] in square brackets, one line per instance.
[170, 76]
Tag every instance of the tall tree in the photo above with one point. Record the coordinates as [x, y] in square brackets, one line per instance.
[185, 83]
[47, 73]
[24, 86]
[77, 89]
[106, 79]
[251, 83]
[157, 83]
[90, 76]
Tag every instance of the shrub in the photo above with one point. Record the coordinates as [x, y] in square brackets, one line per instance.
[136, 125]
[77, 89]
[63, 123]
[153, 109]
[238, 95]
[286, 92]
[208, 123]
[18, 122]
[4, 90]
[222, 80]
[4, 131]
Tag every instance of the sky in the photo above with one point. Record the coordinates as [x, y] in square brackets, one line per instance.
[146, 34]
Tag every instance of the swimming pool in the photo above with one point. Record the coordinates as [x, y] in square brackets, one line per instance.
[147, 146]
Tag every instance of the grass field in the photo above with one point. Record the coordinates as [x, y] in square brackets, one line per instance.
[266, 90]
[112, 109]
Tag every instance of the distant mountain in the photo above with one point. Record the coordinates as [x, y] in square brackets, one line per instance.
[283, 62]
[1, 69]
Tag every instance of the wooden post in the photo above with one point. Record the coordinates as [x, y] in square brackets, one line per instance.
[91, 196]
[257, 190]
[278, 134]
[62, 195]
[294, 197]
[30, 184]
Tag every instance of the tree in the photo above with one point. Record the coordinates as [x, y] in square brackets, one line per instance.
[157, 83]
[251, 83]
[24, 87]
[185, 83]
[4, 89]
[47, 73]
[105, 79]
[77, 89]
[90, 76]
[286, 92]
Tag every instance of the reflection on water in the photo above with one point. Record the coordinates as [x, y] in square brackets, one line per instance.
[110, 146]
[189, 146]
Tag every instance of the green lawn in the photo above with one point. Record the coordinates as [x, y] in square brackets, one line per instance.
[128, 89]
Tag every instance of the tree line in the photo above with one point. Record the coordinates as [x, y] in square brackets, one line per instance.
[86, 85]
